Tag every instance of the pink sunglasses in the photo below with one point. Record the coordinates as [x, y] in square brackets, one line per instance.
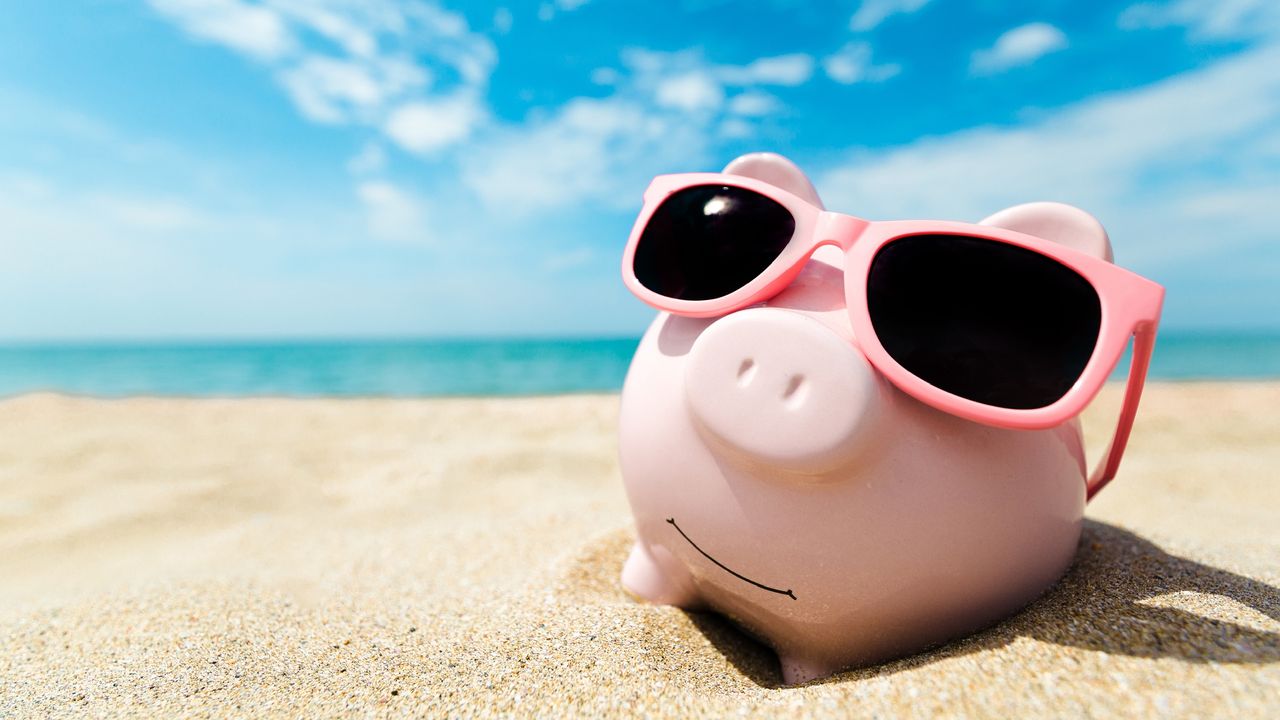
[988, 324]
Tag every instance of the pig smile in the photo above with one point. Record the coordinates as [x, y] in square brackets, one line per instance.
[722, 566]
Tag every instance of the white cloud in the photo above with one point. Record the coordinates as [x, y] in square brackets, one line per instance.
[605, 76]
[1207, 19]
[754, 103]
[416, 74]
[413, 69]
[650, 67]
[392, 213]
[502, 20]
[852, 64]
[128, 211]
[426, 126]
[590, 150]
[94, 249]
[371, 159]
[735, 128]
[548, 10]
[1022, 45]
[666, 111]
[690, 92]
[1162, 167]
[252, 29]
[405, 17]
[341, 91]
[873, 12]
[793, 69]
[354, 37]
[131, 262]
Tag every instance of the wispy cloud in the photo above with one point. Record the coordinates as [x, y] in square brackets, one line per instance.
[328, 90]
[666, 110]
[112, 255]
[503, 20]
[426, 126]
[735, 128]
[548, 10]
[251, 29]
[754, 103]
[778, 70]
[161, 220]
[605, 76]
[392, 212]
[1207, 19]
[691, 91]
[873, 12]
[413, 72]
[852, 64]
[1022, 45]
[130, 264]
[372, 72]
[788, 70]
[371, 159]
[1177, 180]
[592, 151]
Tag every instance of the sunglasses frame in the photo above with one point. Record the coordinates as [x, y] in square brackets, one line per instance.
[1130, 303]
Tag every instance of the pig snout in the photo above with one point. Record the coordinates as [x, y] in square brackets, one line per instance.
[776, 388]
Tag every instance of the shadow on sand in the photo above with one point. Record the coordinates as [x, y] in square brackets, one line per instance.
[1102, 594]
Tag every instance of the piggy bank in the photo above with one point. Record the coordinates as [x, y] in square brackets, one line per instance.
[777, 478]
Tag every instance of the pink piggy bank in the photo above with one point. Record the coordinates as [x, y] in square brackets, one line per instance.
[778, 478]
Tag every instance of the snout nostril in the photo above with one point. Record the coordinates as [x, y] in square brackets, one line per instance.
[795, 391]
[746, 371]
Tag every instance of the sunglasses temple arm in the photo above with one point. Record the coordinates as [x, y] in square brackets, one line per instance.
[1143, 342]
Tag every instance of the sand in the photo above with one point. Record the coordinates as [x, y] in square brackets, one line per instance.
[173, 557]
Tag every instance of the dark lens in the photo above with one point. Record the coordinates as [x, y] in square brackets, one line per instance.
[706, 241]
[985, 320]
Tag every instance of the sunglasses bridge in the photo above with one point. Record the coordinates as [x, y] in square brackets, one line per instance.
[833, 228]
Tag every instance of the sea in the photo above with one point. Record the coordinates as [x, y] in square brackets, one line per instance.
[455, 367]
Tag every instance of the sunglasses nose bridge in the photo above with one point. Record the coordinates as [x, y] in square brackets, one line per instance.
[840, 229]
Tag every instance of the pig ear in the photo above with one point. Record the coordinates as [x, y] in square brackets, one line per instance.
[777, 171]
[1060, 223]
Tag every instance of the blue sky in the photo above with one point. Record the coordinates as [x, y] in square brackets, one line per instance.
[237, 168]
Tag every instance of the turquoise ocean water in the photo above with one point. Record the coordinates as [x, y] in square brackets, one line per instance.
[413, 368]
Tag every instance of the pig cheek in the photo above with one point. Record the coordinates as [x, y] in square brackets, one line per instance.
[667, 468]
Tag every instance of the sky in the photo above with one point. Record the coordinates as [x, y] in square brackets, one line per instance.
[333, 168]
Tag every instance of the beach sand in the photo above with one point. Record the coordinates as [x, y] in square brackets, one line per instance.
[175, 557]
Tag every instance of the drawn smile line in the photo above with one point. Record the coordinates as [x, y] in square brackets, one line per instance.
[722, 566]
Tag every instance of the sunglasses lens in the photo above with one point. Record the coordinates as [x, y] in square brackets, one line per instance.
[987, 321]
[706, 241]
